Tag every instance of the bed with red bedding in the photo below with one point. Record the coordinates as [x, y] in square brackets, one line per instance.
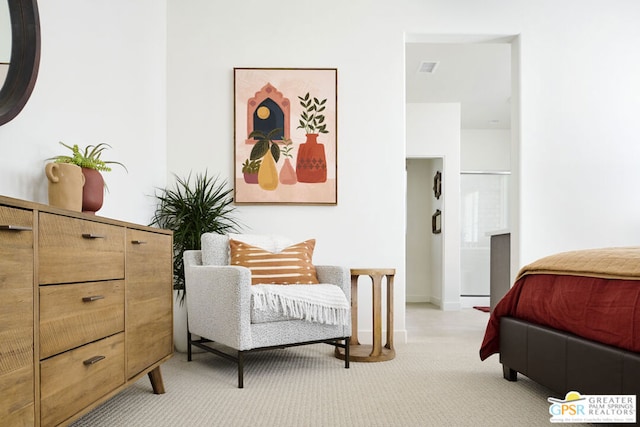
[572, 322]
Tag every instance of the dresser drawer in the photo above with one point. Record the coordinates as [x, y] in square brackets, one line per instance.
[75, 314]
[73, 380]
[78, 250]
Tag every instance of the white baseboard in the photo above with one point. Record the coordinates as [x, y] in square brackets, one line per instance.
[417, 298]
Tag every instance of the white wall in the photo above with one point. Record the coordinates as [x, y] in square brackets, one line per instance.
[102, 78]
[485, 150]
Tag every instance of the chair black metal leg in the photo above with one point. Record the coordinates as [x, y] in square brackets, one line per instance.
[240, 369]
[188, 346]
[347, 340]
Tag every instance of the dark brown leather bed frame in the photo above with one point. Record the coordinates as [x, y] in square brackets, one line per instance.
[564, 362]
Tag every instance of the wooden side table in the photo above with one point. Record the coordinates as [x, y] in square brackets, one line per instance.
[375, 352]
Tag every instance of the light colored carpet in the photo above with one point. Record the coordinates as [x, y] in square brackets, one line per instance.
[436, 379]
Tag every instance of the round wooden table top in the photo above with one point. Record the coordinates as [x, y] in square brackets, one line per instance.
[375, 271]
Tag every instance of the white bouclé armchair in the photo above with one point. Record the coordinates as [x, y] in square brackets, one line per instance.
[224, 307]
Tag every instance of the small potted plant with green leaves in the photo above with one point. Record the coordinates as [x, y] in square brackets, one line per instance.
[287, 173]
[250, 170]
[311, 164]
[91, 163]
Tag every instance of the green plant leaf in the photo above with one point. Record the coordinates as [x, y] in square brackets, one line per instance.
[88, 158]
[259, 149]
[273, 133]
[275, 152]
[256, 134]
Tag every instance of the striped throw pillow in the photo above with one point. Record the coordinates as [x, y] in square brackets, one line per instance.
[292, 265]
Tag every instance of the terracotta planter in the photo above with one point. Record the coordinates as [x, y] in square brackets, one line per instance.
[250, 178]
[311, 164]
[65, 185]
[93, 191]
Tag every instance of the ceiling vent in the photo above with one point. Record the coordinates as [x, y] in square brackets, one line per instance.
[428, 67]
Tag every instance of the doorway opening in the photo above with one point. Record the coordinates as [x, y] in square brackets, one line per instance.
[424, 249]
[489, 144]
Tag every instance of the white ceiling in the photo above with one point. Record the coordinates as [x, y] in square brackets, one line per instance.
[477, 75]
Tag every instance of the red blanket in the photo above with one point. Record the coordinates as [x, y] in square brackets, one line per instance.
[605, 310]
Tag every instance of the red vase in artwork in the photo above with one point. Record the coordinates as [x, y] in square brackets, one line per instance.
[311, 164]
[93, 191]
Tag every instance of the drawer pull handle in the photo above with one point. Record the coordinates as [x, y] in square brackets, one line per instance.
[92, 298]
[138, 242]
[92, 236]
[93, 360]
[9, 227]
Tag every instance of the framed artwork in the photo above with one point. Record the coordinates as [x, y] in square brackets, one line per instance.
[285, 136]
[436, 222]
[437, 184]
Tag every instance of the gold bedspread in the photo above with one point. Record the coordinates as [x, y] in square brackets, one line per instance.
[608, 263]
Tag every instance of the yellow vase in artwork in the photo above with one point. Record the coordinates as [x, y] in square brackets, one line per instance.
[268, 173]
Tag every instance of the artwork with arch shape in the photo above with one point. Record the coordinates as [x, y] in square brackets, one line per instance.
[285, 136]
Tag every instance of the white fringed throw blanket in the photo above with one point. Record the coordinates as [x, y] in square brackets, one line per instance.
[314, 303]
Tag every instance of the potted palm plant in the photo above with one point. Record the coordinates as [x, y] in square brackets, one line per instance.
[92, 164]
[191, 208]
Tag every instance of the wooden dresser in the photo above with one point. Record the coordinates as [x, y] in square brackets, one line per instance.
[85, 311]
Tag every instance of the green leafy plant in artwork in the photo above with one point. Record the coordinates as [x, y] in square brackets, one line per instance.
[287, 147]
[191, 208]
[89, 158]
[251, 166]
[312, 119]
[265, 143]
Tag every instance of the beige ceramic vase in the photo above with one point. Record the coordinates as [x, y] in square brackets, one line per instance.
[65, 185]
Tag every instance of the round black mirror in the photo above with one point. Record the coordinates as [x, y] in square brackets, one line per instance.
[25, 58]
